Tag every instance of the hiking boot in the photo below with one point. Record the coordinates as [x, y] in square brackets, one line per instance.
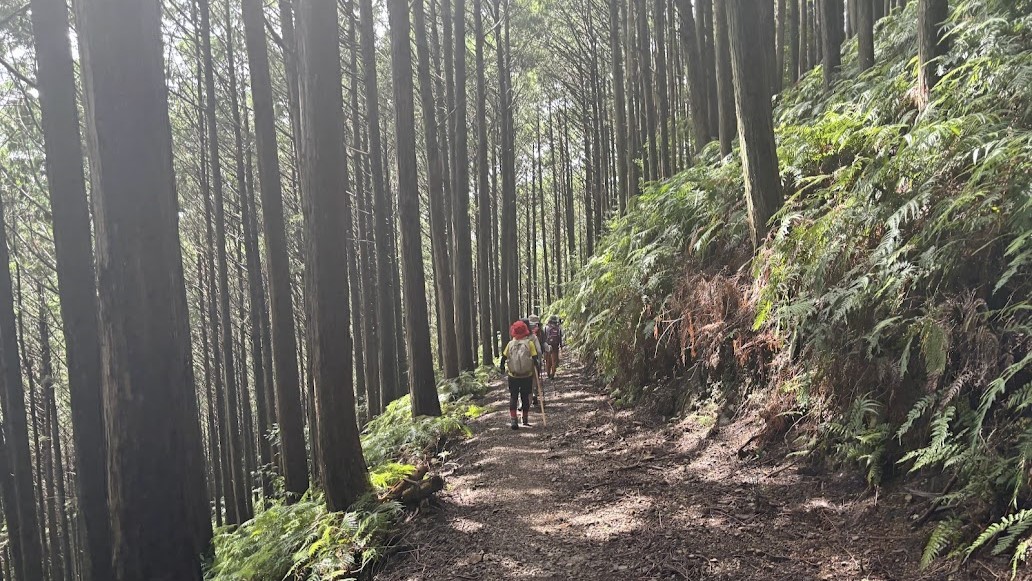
[514, 425]
[526, 422]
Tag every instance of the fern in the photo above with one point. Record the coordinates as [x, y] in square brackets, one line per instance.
[893, 220]
[942, 537]
[1010, 527]
[305, 541]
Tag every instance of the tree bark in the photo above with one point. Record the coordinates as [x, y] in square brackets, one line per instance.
[931, 42]
[708, 51]
[367, 260]
[463, 256]
[696, 76]
[384, 228]
[446, 303]
[235, 502]
[52, 452]
[509, 270]
[865, 32]
[341, 465]
[624, 187]
[651, 157]
[26, 519]
[484, 219]
[746, 31]
[793, 40]
[779, 46]
[831, 39]
[665, 121]
[725, 85]
[287, 383]
[156, 492]
[75, 272]
[804, 38]
[242, 397]
[214, 455]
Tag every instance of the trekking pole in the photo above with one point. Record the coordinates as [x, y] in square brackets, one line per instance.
[541, 397]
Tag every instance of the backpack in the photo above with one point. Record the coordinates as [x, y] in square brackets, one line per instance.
[521, 363]
[554, 336]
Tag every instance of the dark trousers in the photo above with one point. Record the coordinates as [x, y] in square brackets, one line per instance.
[519, 390]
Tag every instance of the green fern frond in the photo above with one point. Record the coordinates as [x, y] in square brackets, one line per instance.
[942, 537]
[1004, 526]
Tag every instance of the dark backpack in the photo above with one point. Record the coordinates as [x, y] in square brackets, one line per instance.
[554, 335]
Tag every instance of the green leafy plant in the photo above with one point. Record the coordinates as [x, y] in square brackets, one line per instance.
[889, 312]
[304, 541]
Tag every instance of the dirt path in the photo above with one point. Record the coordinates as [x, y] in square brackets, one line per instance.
[600, 495]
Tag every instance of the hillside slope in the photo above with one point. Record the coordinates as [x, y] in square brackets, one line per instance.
[885, 323]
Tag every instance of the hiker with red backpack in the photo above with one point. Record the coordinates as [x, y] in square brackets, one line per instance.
[553, 334]
[520, 362]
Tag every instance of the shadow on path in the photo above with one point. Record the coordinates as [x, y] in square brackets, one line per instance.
[597, 495]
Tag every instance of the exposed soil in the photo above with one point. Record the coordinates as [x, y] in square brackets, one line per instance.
[604, 494]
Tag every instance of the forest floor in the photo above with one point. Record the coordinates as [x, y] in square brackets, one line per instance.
[606, 494]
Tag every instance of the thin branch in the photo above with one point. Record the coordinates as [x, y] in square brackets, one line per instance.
[18, 12]
[10, 68]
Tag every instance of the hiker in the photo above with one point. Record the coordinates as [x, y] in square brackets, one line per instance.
[553, 334]
[520, 362]
[534, 324]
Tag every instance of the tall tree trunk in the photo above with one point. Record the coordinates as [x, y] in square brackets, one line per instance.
[367, 261]
[624, 187]
[865, 32]
[746, 32]
[707, 50]
[463, 256]
[665, 121]
[556, 205]
[545, 241]
[804, 38]
[52, 450]
[779, 46]
[236, 502]
[725, 84]
[484, 216]
[499, 292]
[696, 76]
[214, 454]
[269, 181]
[27, 522]
[13, 559]
[157, 495]
[651, 160]
[341, 465]
[507, 243]
[831, 38]
[634, 140]
[931, 42]
[446, 303]
[384, 227]
[75, 272]
[793, 40]
[241, 400]
[571, 224]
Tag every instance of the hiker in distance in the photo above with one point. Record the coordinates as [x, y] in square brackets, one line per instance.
[538, 335]
[553, 345]
[520, 362]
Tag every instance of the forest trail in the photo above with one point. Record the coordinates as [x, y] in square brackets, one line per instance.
[603, 494]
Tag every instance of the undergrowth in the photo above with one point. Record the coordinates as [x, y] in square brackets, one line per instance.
[885, 322]
[304, 541]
